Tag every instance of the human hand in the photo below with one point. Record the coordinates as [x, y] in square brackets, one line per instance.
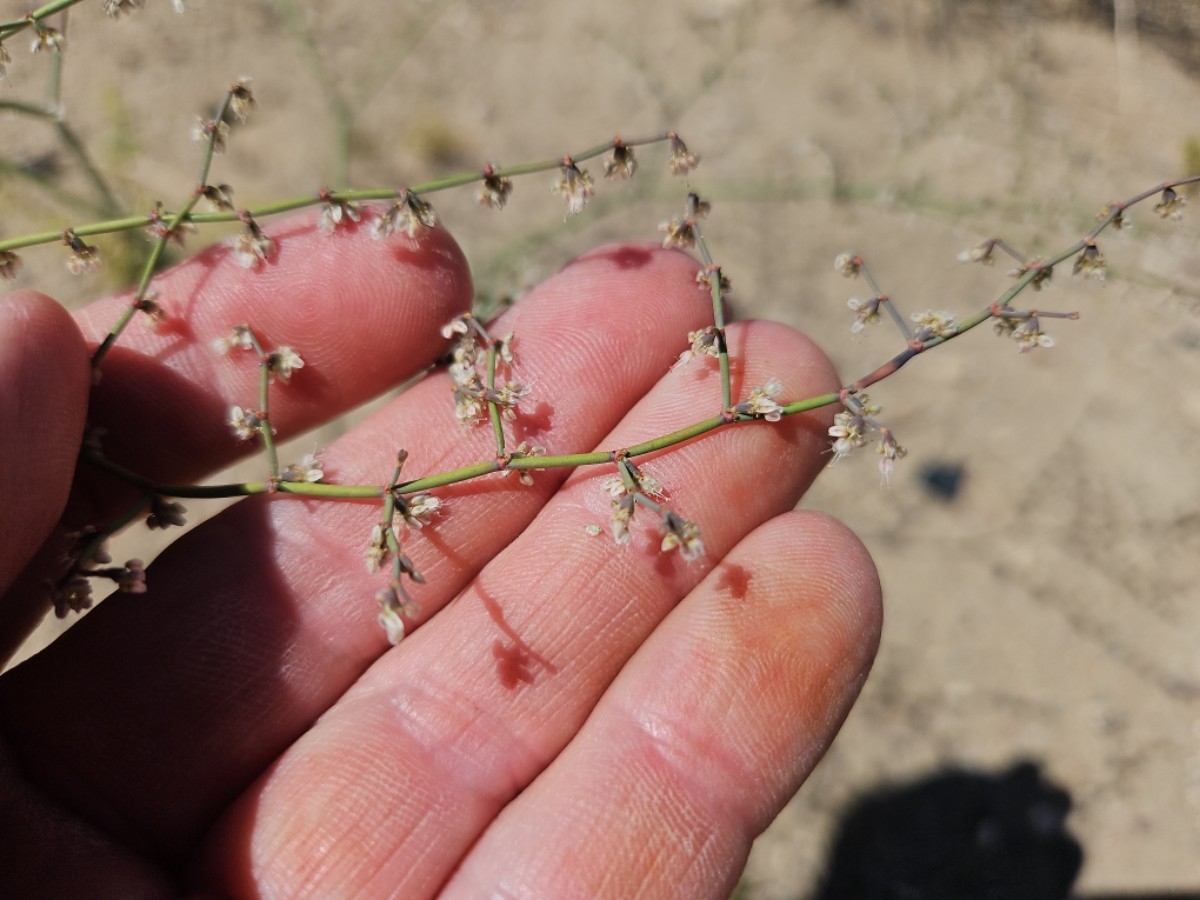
[570, 719]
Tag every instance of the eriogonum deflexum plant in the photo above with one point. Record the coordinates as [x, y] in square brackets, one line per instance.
[488, 391]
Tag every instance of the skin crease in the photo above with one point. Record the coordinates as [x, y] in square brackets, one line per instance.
[566, 719]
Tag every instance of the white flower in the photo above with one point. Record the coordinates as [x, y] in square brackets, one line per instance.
[409, 214]
[389, 615]
[704, 343]
[761, 402]
[681, 160]
[240, 337]
[866, 312]
[419, 509]
[931, 324]
[847, 265]
[253, 246]
[335, 213]
[849, 432]
[245, 424]
[378, 552]
[309, 470]
[575, 186]
[283, 360]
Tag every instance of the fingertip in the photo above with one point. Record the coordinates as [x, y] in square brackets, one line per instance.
[45, 373]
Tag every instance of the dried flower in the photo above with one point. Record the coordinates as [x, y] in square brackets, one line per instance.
[981, 253]
[681, 160]
[241, 98]
[890, 452]
[621, 164]
[114, 8]
[418, 509]
[1029, 335]
[132, 578]
[252, 246]
[507, 397]
[849, 432]
[220, 196]
[1117, 211]
[704, 279]
[84, 257]
[165, 513]
[337, 213]
[866, 312]
[1170, 205]
[847, 265]
[309, 470]
[241, 337]
[1042, 273]
[409, 214]
[282, 361]
[72, 594]
[495, 190]
[46, 38]
[622, 515]
[934, 324]
[574, 185]
[10, 264]
[680, 233]
[525, 450]
[460, 325]
[245, 423]
[1091, 263]
[704, 343]
[378, 553]
[150, 306]
[207, 129]
[394, 602]
[681, 534]
[761, 403]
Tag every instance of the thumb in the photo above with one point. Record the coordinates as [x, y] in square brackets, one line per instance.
[44, 383]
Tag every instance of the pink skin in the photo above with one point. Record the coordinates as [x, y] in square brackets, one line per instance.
[582, 720]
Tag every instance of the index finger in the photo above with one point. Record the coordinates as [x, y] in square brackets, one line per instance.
[361, 313]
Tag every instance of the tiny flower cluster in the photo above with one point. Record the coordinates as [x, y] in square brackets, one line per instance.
[84, 257]
[495, 190]
[239, 101]
[475, 391]
[633, 488]
[574, 185]
[681, 231]
[73, 592]
[852, 428]
[415, 511]
[524, 450]
[704, 342]
[1024, 326]
[253, 246]
[761, 403]
[409, 214]
[933, 324]
[336, 213]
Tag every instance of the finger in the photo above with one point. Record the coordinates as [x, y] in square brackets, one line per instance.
[44, 371]
[363, 314]
[256, 622]
[704, 736]
[437, 737]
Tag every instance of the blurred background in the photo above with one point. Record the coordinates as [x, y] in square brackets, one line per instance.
[1036, 703]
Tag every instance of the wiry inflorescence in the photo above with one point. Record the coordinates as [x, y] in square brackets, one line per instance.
[481, 368]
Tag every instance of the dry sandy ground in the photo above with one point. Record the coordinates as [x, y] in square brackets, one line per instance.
[1048, 611]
